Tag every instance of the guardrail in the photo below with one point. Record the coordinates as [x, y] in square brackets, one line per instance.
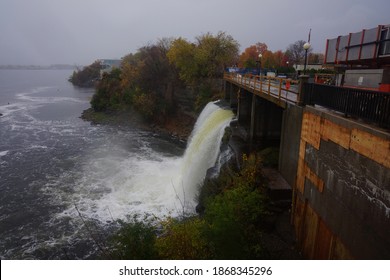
[280, 88]
[368, 105]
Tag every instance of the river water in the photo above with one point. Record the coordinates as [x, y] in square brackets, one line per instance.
[58, 172]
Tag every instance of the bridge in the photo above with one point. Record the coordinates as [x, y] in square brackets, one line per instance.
[371, 106]
[277, 90]
[334, 153]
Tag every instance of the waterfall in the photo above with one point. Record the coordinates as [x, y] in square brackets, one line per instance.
[146, 181]
[203, 147]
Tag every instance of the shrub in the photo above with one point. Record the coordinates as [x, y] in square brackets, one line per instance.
[145, 104]
[183, 240]
[135, 240]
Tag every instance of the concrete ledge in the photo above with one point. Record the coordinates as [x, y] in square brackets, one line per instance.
[340, 119]
[278, 187]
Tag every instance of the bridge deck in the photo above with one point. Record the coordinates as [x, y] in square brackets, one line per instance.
[277, 90]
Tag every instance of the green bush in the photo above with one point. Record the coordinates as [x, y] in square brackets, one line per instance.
[108, 93]
[183, 240]
[135, 240]
[235, 216]
[233, 220]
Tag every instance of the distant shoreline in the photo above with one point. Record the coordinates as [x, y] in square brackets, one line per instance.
[40, 67]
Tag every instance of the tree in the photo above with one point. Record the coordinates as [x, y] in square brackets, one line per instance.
[261, 47]
[316, 58]
[130, 71]
[148, 79]
[87, 76]
[108, 92]
[182, 55]
[249, 57]
[214, 53]
[296, 52]
[154, 69]
[251, 54]
[205, 59]
[268, 60]
[279, 58]
[200, 64]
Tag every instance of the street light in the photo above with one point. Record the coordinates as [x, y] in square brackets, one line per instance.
[306, 46]
[259, 63]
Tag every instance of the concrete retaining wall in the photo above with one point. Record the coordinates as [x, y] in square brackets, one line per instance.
[342, 192]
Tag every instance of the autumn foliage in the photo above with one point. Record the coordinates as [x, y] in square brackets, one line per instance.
[147, 79]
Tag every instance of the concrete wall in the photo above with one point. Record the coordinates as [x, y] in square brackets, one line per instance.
[342, 193]
[340, 173]
[290, 141]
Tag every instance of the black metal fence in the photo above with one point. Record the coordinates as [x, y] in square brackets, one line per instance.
[369, 105]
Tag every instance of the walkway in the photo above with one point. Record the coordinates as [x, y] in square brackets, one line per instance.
[277, 90]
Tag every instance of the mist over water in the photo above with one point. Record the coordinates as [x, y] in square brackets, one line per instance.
[55, 167]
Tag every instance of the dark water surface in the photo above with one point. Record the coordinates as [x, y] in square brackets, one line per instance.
[52, 164]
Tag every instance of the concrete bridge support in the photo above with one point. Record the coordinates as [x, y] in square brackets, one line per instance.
[244, 108]
[231, 94]
[261, 118]
[266, 121]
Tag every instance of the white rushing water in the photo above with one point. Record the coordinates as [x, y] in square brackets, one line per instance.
[115, 186]
[52, 164]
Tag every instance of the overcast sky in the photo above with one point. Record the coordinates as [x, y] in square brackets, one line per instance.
[80, 31]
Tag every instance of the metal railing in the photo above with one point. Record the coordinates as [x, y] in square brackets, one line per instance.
[368, 105]
[279, 88]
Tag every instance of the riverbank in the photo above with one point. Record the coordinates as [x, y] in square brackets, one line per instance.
[178, 126]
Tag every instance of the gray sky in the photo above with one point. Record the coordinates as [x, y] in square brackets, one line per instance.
[81, 31]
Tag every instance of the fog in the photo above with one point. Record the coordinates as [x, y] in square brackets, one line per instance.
[45, 32]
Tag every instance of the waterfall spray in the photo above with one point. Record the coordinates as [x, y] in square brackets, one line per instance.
[204, 147]
[150, 182]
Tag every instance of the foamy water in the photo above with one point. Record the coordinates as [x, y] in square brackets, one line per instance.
[115, 185]
[56, 167]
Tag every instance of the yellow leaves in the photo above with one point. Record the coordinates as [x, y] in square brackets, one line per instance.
[251, 168]
[183, 240]
[205, 59]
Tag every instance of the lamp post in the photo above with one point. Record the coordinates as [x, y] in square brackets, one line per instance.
[259, 63]
[306, 46]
